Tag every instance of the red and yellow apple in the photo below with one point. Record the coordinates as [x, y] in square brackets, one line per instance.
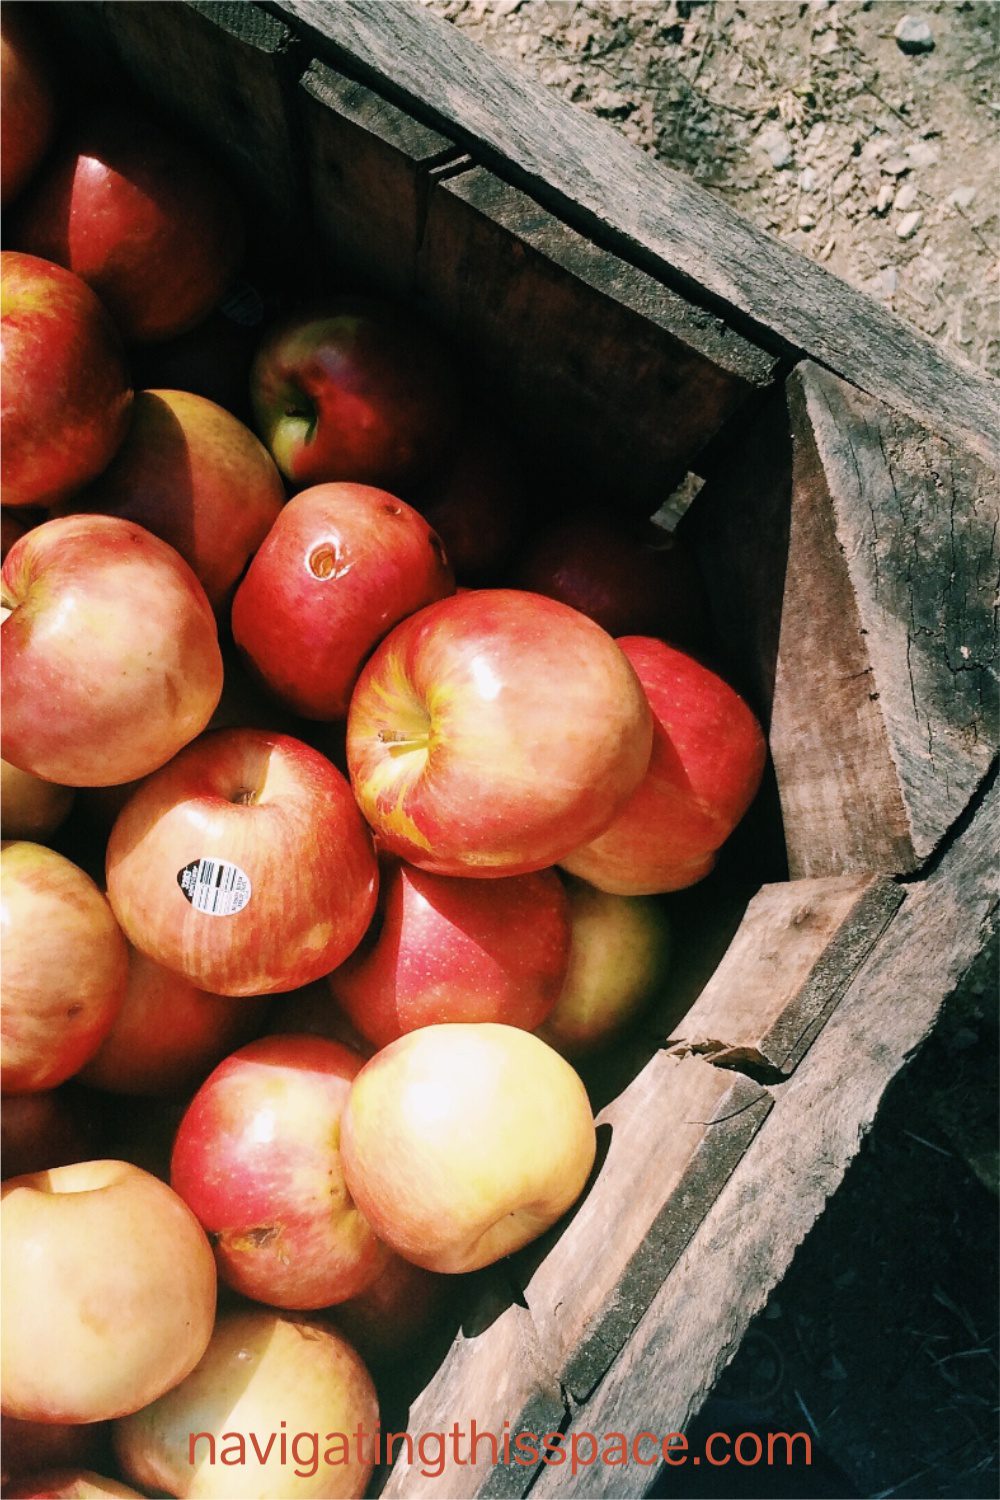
[108, 1292]
[284, 1381]
[461, 1143]
[493, 732]
[29, 807]
[707, 762]
[64, 967]
[257, 1159]
[357, 392]
[66, 392]
[244, 864]
[619, 959]
[27, 105]
[111, 654]
[457, 950]
[341, 565]
[191, 473]
[140, 216]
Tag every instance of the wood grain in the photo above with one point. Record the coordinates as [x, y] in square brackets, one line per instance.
[798, 948]
[884, 715]
[653, 215]
[587, 354]
[797, 1159]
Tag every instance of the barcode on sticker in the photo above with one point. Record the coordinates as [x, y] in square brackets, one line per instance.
[215, 886]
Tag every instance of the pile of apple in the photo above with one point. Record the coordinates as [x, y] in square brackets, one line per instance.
[241, 686]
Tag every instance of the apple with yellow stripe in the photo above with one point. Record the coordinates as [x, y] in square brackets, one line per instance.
[493, 732]
[463, 1142]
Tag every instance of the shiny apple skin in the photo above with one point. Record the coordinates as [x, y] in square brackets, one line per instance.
[257, 1159]
[619, 963]
[29, 807]
[707, 762]
[27, 106]
[284, 816]
[262, 1373]
[111, 653]
[458, 950]
[66, 391]
[140, 217]
[167, 1035]
[493, 732]
[477, 505]
[68, 1484]
[356, 392]
[108, 1292]
[461, 1143]
[193, 475]
[64, 967]
[341, 565]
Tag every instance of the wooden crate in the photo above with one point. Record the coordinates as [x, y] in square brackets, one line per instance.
[639, 332]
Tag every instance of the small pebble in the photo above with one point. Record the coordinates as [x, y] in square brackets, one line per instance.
[909, 224]
[807, 180]
[914, 35]
[827, 250]
[890, 281]
[775, 142]
[906, 197]
[806, 220]
[895, 166]
[885, 196]
[923, 154]
[962, 197]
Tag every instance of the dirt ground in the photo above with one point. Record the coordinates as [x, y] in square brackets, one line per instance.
[883, 164]
[811, 120]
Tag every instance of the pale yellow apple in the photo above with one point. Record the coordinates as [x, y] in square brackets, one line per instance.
[242, 1425]
[619, 956]
[461, 1143]
[30, 808]
[107, 1287]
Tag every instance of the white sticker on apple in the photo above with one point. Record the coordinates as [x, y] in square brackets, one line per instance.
[215, 886]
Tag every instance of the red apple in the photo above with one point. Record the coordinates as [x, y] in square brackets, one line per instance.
[41, 1131]
[492, 732]
[632, 581]
[68, 1484]
[356, 392]
[27, 110]
[313, 1011]
[141, 217]
[243, 865]
[29, 807]
[458, 950]
[63, 971]
[387, 1319]
[66, 392]
[111, 656]
[12, 528]
[619, 960]
[341, 565]
[192, 474]
[462, 1143]
[477, 505]
[108, 1292]
[292, 1383]
[707, 762]
[167, 1036]
[257, 1159]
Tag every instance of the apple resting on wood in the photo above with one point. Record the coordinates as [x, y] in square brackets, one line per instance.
[111, 654]
[458, 950]
[493, 732]
[707, 763]
[461, 1143]
[244, 864]
[341, 565]
[257, 1159]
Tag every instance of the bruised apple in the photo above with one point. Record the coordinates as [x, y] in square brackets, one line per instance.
[108, 1292]
[707, 762]
[244, 864]
[275, 1407]
[257, 1159]
[458, 950]
[493, 732]
[461, 1143]
[64, 967]
[341, 565]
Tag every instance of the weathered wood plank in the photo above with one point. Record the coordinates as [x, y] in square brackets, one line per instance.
[797, 1159]
[677, 1132]
[797, 950]
[652, 214]
[367, 164]
[591, 355]
[884, 712]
